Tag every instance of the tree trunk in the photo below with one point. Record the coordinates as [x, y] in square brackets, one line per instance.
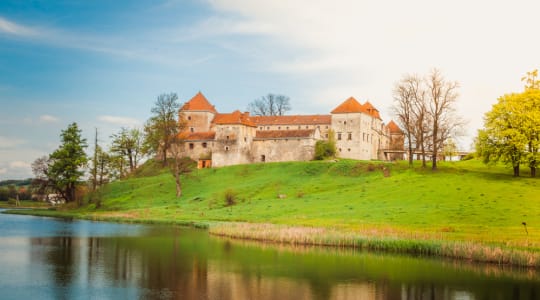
[410, 151]
[178, 182]
[516, 171]
[533, 172]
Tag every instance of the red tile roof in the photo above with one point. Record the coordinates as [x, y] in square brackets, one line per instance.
[293, 120]
[371, 110]
[235, 117]
[393, 127]
[279, 134]
[349, 106]
[199, 103]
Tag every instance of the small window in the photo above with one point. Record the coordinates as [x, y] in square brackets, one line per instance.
[261, 128]
[349, 136]
[339, 136]
[349, 149]
[299, 127]
[279, 128]
[227, 137]
[307, 127]
[326, 127]
[227, 148]
[263, 158]
[339, 149]
[191, 146]
[287, 128]
[267, 127]
[189, 118]
[204, 145]
[192, 129]
[344, 122]
[318, 127]
[245, 139]
[326, 135]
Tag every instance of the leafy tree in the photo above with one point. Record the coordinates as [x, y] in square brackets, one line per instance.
[66, 163]
[531, 80]
[270, 105]
[128, 143]
[325, 149]
[161, 129]
[512, 129]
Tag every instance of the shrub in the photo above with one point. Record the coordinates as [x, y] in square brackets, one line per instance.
[325, 149]
[230, 197]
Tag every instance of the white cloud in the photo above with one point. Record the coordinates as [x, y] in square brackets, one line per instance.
[121, 121]
[13, 28]
[48, 119]
[8, 142]
[19, 165]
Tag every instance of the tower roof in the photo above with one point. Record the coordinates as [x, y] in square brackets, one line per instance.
[198, 103]
[393, 127]
[349, 106]
[371, 110]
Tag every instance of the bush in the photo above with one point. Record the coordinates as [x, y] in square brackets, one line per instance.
[230, 197]
[324, 149]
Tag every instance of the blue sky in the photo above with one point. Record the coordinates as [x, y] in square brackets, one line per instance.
[103, 63]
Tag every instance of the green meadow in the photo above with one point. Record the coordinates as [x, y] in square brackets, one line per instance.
[464, 203]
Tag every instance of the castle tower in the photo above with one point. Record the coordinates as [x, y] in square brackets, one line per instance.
[198, 114]
[356, 129]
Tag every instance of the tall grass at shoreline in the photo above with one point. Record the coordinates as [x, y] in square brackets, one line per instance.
[293, 235]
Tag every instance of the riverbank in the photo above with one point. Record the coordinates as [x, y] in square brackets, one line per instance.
[465, 210]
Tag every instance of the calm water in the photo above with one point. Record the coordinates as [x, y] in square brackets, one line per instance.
[43, 258]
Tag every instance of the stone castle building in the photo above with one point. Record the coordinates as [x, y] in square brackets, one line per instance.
[222, 139]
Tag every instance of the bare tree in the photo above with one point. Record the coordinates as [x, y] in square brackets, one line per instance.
[442, 96]
[270, 105]
[405, 92]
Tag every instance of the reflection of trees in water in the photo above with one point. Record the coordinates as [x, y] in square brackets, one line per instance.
[189, 265]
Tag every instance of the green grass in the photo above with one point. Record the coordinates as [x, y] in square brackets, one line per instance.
[461, 202]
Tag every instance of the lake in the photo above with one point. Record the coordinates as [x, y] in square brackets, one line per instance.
[46, 258]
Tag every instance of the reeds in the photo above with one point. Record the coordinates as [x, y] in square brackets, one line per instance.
[377, 241]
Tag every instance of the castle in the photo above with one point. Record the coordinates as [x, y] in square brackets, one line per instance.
[222, 139]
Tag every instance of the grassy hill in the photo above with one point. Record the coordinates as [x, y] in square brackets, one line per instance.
[463, 201]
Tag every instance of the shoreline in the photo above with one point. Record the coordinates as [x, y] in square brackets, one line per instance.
[471, 251]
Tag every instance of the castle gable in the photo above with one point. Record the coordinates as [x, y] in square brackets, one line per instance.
[371, 110]
[198, 103]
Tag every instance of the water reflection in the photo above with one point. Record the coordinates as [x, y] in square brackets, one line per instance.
[144, 262]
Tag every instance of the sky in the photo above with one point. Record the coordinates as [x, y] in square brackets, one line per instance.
[103, 63]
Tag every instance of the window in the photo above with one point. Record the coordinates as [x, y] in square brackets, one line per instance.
[344, 122]
[299, 127]
[261, 128]
[326, 135]
[192, 129]
[349, 149]
[267, 127]
[245, 139]
[279, 128]
[307, 127]
[339, 136]
[227, 137]
[191, 146]
[227, 148]
[326, 127]
[263, 158]
[349, 136]
[189, 118]
[287, 128]
[339, 149]
[204, 145]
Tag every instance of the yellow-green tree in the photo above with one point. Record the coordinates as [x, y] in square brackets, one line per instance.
[512, 130]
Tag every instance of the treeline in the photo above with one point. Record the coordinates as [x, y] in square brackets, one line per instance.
[12, 191]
